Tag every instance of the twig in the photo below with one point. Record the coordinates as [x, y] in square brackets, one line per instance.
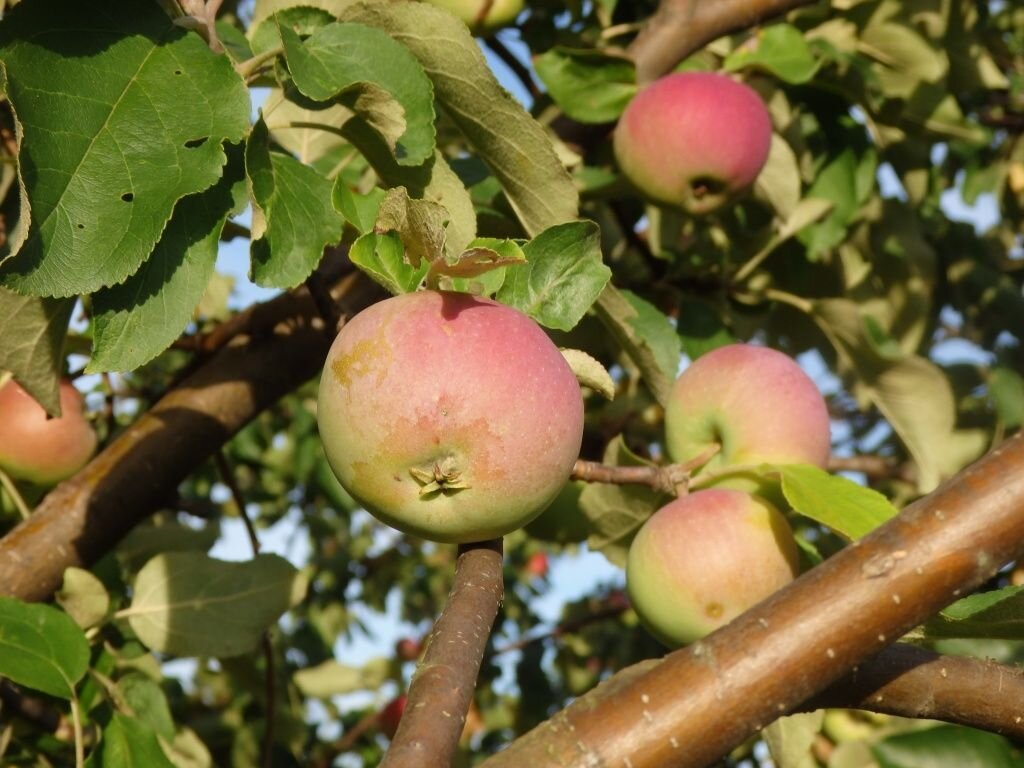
[12, 491]
[517, 67]
[329, 310]
[442, 688]
[227, 476]
[108, 405]
[249, 68]
[700, 702]
[873, 466]
[566, 628]
[672, 479]
[76, 720]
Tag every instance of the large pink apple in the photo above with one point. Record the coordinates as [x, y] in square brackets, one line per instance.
[705, 558]
[693, 140]
[755, 402]
[40, 450]
[448, 416]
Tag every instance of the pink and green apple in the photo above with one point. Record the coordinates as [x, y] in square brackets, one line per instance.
[693, 140]
[705, 558]
[41, 450]
[448, 416]
[755, 403]
[501, 13]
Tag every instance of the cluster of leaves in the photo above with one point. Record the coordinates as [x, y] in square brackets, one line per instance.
[131, 148]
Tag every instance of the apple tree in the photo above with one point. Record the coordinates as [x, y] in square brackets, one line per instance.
[728, 294]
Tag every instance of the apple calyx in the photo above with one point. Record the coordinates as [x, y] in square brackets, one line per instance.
[443, 477]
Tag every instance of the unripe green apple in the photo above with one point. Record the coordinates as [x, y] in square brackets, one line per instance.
[448, 416]
[693, 140]
[41, 450]
[501, 14]
[705, 558]
[756, 403]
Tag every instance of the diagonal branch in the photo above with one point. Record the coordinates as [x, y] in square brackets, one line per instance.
[442, 689]
[680, 27]
[707, 698]
[137, 474]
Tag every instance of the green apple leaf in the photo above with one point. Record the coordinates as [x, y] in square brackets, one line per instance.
[330, 678]
[645, 334]
[374, 75]
[136, 107]
[128, 743]
[616, 512]
[849, 509]
[502, 132]
[137, 320]
[419, 223]
[382, 257]
[946, 746]
[701, 328]
[589, 372]
[311, 135]
[163, 533]
[791, 739]
[303, 19]
[359, 210]
[590, 86]
[32, 344]
[293, 218]
[481, 268]
[780, 49]
[189, 604]
[145, 700]
[562, 277]
[1006, 389]
[83, 597]
[41, 648]
[998, 614]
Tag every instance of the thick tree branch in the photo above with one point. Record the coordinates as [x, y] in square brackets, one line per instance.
[680, 27]
[442, 688]
[707, 698]
[81, 519]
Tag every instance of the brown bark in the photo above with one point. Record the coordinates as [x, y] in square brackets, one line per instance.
[442, 689]
[680, 27]
[138, 473]
[705, 699]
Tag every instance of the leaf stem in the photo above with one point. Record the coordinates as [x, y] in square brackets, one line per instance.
[250, 67]
[12, 491]
[76, 722]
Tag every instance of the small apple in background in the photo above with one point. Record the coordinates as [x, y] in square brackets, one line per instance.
[501, 13]
[693, 140]
[391, 715]
[41, 450]
[408, 649]
[537, 565]
[449, 416]
[756, 403]
[703, 559]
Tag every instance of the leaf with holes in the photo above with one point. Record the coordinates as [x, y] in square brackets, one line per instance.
[189, 604]
[137, 320]
[122, 114]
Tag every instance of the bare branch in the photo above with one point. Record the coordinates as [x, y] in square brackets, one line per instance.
[442, 688]
[671, 478]
[81, 519]
[680, 27]
[877, 467]
[705, 699]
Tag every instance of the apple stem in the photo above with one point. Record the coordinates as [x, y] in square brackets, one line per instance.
[672, 479]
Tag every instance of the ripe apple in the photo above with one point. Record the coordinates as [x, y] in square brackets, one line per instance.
[408, 649]
[703, 559]
[449, 416]
[756, 403]
[693, 140]
[537, 565]
[391, 715]
[41, 450]
[563, 522]
[501, 14]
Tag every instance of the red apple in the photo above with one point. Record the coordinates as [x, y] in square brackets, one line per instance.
[41, 450]
[537, 565]
[391, 715]
[448, 416]
[693, 140]
[756, 403]
[408, 649]
[703, 559]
